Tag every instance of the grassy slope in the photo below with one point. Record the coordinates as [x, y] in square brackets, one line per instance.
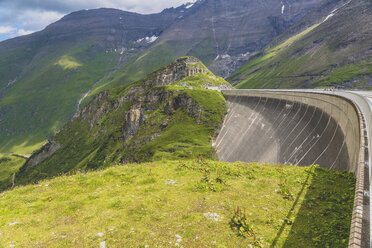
[9, 165]
[312, 57]
[158, 55]
[45, 95]
[139, 65]
[93, 142]
[40, 107]
[161, 204]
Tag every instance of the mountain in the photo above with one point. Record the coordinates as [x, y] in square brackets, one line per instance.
[43, 75]
[223, 32]
[331, 46]
[47, 76]
[171, 114]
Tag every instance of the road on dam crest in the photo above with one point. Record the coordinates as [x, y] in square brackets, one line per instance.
[304, 127]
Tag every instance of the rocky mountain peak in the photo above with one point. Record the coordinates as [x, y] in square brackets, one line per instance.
[176, 71]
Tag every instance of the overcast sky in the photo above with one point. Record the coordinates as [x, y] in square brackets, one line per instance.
[20, 17]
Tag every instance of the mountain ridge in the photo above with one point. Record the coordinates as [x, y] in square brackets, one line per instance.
[47, 76]
[171, 114]
[333, 49]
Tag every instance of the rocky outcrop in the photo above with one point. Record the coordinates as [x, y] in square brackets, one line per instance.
[134, 119]
[119, 122]
[47, 151]
[176, 71]
[183, 101]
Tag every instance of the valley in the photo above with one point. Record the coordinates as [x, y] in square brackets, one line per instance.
[217, 123]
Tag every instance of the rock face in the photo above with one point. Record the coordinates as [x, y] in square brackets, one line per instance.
[47, 151]
[225, 33]
[135, 118]
[134, 123]
[176, 71]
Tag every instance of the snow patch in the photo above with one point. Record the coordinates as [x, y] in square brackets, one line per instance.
[328, 16]
[247, 54]
[151, 39]
[148, 39]
[190, 4]
[333, 12]
[283, 8]
[122, 50]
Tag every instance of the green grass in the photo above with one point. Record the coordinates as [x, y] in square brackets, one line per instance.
[347, 73]
[310, 57]
[164, 203]
[198, 80]
[45, 96]
[204, 50]
[67, 63]
[267, 68]
[254, 68]
[138, 66]
[9, 165]
[291, 40]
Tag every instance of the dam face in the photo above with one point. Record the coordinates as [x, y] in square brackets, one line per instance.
[289, 128]
[304, 127]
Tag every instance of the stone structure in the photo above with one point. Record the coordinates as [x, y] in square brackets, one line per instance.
[303, 128]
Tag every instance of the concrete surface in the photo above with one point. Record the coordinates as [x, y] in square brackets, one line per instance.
[304, 127]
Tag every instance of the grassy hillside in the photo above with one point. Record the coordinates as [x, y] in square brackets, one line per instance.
[332, 50]
[149, 120]
[9, 165]
[44, 75]
[138, 66]
[43, 99]
[191, 203]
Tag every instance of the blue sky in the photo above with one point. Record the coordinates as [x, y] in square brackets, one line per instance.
[21, 17]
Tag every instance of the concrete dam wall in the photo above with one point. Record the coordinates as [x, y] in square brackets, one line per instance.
[290, 128]
[332, 129]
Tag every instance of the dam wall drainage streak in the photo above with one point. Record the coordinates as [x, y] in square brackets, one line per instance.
[300, 128]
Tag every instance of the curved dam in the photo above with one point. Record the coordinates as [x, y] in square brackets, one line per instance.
[303, 128]
[287, 129]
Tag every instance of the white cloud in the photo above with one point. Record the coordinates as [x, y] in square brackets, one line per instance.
[66, 6]
[38, 19]
[24, 32]
[6, 29]
[19, 17]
